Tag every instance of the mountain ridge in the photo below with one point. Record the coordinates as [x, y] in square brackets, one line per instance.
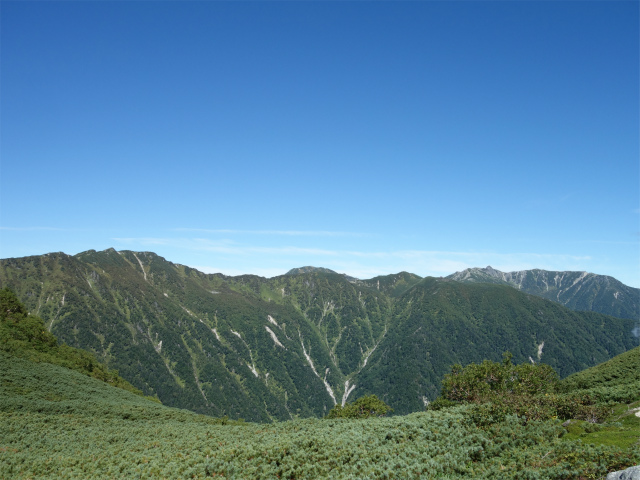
[310, 269]
[577, 290]
[293, 345]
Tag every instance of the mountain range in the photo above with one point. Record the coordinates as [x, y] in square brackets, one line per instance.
[576, 290]
[297, 344]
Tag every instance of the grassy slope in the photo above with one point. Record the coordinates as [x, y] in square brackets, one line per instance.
[438, 324]
[38, 387]
[57, 423]
[622, 369]
[25, 336]
[622, 428]
[617, 380]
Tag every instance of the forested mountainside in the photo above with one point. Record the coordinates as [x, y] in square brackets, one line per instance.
[25, 336]
[620, 370]
[294, 345]
[58, 423]
[442, 323]
[576, 290]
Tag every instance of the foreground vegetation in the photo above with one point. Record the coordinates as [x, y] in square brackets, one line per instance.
[25, 336]
[57, 423]
[495, 420]
[599, 404]
[534, 392]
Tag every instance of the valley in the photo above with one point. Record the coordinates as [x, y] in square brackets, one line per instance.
[295, 345]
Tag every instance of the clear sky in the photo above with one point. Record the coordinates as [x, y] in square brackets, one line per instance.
[365, 137]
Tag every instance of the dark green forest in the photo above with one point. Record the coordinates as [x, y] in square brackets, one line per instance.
[60, 423]
[296, 345]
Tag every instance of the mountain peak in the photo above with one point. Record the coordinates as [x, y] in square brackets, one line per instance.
[309, 269]
[574, 289]
[490, 270]
[487, 274]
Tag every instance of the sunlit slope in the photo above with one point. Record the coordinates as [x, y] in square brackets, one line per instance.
[39, 387]
[350, 319]
[24, 336]
[57, 424]
[243, 346]
[173, 332]
[395, 284]
[294, 345]
[620, 370]
[438, 324]
[576, 290]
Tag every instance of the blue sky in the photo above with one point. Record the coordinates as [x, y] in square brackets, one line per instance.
[366, 137]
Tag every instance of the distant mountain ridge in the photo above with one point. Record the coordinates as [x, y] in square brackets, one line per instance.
[576, 290]
[309, 269]
[295, 345]
[581, 291]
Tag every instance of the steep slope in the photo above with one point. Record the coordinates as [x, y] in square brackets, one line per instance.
[176, 333]
[576, 290]
[620, 370]
[25, 336]
[294, 345]
[441, 323]
[394, 284]
[350, 319]
[242, 346]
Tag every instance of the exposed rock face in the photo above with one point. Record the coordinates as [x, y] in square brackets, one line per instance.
[576, 290]
[631, 473]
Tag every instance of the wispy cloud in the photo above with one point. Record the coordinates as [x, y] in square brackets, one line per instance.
[359, 263]
[223, 246]
[34, 229]
[291, 233]
[611, 242]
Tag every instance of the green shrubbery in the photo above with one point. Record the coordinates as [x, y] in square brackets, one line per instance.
[526, 390]
[489, 380]
[364, 407]
[23, 335]
[619, 371]
[57, 423]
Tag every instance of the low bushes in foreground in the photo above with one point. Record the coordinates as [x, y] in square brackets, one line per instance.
[24, 335]
[59, 424]
[529, 391]
[364, 407]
